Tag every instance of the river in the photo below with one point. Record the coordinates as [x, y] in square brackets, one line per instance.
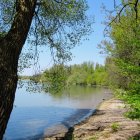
[36, 115]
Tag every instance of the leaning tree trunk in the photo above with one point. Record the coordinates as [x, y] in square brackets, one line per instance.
[10, 49]
[8, 83]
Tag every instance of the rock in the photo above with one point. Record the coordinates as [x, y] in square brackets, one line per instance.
[55, 132]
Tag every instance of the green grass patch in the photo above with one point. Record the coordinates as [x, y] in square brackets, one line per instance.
[115, 127]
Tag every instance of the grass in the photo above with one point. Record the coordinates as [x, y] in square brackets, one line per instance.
[135, 138]
[93, 138]
[115, 127]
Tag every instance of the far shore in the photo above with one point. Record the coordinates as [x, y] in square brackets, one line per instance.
[107, 123]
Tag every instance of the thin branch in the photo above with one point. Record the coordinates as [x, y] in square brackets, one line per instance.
[114, 3]
[136, 8]
[118, 15]
[58, 1]
[120, 11]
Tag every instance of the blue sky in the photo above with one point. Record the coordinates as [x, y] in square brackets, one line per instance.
[88, 50]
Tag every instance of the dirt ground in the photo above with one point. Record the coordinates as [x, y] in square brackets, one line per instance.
[107, 123]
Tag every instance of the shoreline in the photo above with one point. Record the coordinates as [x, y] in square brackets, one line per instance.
[107, 123]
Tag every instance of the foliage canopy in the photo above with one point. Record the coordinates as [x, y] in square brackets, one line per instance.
[124, 57]
[57, 24]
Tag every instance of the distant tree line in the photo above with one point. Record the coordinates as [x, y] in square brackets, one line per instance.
[60, 75]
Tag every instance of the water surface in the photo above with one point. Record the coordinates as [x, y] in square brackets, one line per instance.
[36, 115]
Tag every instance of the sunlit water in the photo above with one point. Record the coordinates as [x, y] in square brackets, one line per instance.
[36, 115]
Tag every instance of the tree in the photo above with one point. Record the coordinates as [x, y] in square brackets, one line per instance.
[124, 54]
[55, 78]
[125, 48]
[59, 24]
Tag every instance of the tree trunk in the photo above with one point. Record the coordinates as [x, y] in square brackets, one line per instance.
[8, 83]
[10, 49]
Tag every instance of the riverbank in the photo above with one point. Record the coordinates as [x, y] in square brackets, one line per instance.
[107, 123]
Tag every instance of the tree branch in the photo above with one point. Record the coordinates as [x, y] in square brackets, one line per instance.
[136, 8]
[135, 4]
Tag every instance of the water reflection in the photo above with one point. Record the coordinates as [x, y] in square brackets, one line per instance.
[39, 114]
[81, 97]
[28, 122]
